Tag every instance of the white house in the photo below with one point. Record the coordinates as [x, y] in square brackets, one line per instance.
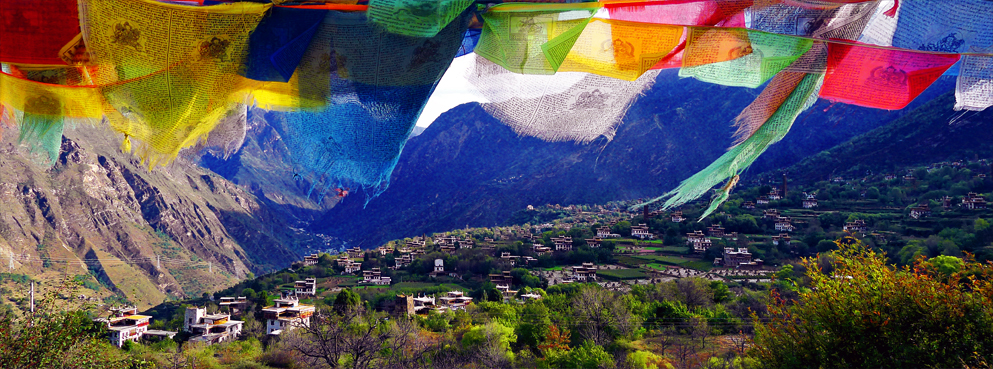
[641, 231]
[286, 314]
[125, 324]
[305, 287]
[210, 328]
[439, 266]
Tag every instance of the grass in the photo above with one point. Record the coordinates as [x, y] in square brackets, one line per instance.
[656, 266]
[670, 260]
[558, 268]
[413, 285]
[676, 249]
[700, 265]
[348, 283]
[621, 274]
[629, 260]
[651, 241]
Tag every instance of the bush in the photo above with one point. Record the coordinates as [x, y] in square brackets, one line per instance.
[866, 314]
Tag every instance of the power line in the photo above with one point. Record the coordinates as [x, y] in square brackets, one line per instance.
[158, 260]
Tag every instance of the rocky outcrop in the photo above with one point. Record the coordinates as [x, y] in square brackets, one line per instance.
[144, 234]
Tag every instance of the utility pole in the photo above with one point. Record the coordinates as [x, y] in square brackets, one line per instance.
[158, 263]
[32, 297]
[210, 267]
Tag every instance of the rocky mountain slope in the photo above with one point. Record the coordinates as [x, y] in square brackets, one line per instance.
[468, 169]
[144, 235]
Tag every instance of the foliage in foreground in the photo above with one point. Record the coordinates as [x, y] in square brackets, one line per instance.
[56, 337]
[860, 312]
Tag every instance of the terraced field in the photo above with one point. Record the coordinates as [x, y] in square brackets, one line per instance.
[621, 274]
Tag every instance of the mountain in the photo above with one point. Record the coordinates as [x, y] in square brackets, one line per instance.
[147, 235]
[929, 134]
[467, 169]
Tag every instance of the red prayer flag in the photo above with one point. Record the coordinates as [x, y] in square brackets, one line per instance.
[34, 31]
[880, 78]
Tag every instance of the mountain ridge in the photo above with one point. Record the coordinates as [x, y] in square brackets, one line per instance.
[146, 235]
[467, 169]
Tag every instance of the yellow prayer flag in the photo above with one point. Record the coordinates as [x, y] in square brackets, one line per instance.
[50, 100]
[177, 66]
[620, 49]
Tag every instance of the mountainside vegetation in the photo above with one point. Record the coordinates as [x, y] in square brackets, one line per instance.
[926, 135]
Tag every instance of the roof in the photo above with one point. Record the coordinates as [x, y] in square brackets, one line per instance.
[226, 324]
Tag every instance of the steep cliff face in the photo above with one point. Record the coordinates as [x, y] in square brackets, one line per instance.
[146, 235]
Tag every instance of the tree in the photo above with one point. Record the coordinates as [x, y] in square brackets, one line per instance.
[349, 340]
[694, 292]
[865, 313]
[646, 360]
[347, 300]
[491, 344]
[946, 265]
[825, 245]
[604, 315]
[555, 340]
[534, 325]
[587, 356]
[721, 292]
[622, 228]
[437, 322]
[981, 224]
[55, 336]
[523, 277]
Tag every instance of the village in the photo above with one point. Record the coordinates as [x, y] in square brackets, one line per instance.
[610, 245]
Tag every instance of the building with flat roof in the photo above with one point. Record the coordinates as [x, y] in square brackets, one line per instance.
[286, 314]
[455, 300]
[125, 324]
[234, 305]
[584, 273]
[306, 287]
[716, 230]
[375, 276]
[699, 241]
[311, 259]
[973, 201]
[738, 258]
[641, 231]
[210, 328]
[922, 211]
[562, 243]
